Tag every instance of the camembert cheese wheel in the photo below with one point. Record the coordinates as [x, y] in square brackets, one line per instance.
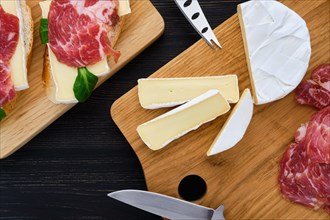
[277, 46]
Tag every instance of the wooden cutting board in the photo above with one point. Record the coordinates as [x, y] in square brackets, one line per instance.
[243, 178]
[34, 112]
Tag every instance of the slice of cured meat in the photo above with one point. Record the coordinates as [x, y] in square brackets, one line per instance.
[9, 33]
[302, 181]
[321, 76]
[304, 170]
[316, 91]
[311, 93]
[7, 90]
[317, 139]
[78, 30]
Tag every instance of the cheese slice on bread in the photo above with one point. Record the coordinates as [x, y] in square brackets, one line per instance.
[59, 78]
[20, 61]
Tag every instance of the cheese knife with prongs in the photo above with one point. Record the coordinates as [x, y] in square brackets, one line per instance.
[194, 14]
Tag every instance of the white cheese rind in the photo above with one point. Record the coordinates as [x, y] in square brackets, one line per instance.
[278, 46]
[236, 125]
[64, 76]
[18, 62]
[168, 92]
[172, 125]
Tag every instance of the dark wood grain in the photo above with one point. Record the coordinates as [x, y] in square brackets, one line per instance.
[67, 170]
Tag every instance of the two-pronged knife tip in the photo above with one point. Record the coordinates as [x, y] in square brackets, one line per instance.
[216, 42]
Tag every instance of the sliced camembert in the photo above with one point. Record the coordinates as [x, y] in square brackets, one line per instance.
[168, 92]
[277, 47]
[170, 126]
[63, 75]
[18, 62]
[236, 125]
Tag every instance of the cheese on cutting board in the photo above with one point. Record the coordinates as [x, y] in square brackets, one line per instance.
[277, 47]
[168, 92]
[236, 125]
[64, 82]
[170, 126]
[19, 60]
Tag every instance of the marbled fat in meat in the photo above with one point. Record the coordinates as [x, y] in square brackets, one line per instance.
[304, 168]
[78, 30]
[317, 137]
[7, 90]
[315, 91]
[321, 76]
[9, 35]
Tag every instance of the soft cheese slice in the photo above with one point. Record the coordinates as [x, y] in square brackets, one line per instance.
[168, 92]
[124, 7]
[64, 76]
[164, 129]
[18, 62]
[236, 125]
[277, 47]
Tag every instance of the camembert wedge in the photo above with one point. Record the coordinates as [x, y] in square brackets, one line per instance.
[236, 125]
[277, 47]
[168, 92]
[170, 126]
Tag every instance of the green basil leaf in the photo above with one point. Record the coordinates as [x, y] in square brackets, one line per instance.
[2, 114]
[43, 30]
[84, 84]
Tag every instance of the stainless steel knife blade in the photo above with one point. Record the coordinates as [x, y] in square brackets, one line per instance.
[194, 14]
[166, 206]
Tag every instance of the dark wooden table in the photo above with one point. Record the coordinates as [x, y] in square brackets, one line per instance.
[68, 169]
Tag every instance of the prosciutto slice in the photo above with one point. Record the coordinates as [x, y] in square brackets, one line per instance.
[316, 91]
[9, 34]
[321, 76]
[7, 90]
[78, 30]
[318, 137]
[305, 167]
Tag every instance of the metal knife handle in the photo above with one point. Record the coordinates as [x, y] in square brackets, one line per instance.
[194, 14]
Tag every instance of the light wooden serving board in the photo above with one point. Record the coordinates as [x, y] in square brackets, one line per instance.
[34, 112]
[243, 178]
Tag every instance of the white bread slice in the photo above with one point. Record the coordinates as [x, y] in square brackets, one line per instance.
[27, 29]
[28, 44]
[48, 81]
